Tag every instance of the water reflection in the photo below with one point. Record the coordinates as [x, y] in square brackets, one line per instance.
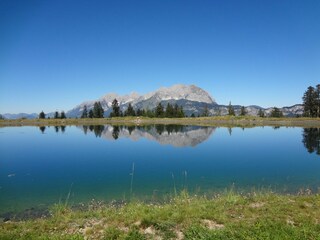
[42, 129]
[311, 139]
[115, 132]
[175, 135]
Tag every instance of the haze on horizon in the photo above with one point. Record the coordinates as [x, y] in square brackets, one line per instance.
[57, 54]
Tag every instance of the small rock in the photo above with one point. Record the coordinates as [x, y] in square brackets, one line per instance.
[257, 205]
[212, 225]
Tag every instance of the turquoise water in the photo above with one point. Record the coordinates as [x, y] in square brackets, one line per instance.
[42, 166]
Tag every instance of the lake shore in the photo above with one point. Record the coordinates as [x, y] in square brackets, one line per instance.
[228, 215]
[227, 121]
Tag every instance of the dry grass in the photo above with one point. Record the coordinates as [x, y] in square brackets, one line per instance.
[246, 121]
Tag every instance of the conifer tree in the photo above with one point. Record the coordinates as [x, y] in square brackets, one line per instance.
[90, 115]
[180, 113]
[56, 115]
[243, 111]
[62, 115]
[85, 112]
[170, 111]
[317, 101]
[205, 111]
[261, 113]
[101, 110]
[115, 109]
[139, 112]
[276, 113]
[231, 110]
[42, 115]
[97, 110]
[310, 102]
[159, 111]
[130, 111]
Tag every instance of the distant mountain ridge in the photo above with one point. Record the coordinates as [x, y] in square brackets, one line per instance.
[193, 99]
[190, 97]
[20, 115]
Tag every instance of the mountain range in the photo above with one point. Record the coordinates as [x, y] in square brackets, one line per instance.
[193, 99]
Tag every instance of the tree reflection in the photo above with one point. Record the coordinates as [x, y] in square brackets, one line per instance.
[174, 128]
[98, 129]
[311, 139]
[130, 129]
[42, 129]
[159, 128]
[85, 129]
[115, 132]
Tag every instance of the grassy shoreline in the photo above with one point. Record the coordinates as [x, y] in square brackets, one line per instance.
[230, 215]
[227, 121]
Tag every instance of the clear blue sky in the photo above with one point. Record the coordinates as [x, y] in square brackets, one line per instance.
[56, 54]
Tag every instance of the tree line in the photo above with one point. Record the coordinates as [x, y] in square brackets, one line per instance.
[311, 108]
[311, 102]
[170, 111]
[57, 115]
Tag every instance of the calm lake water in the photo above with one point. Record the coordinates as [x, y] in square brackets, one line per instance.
[42, 166]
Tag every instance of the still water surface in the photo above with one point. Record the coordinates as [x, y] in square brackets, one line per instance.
[41, 166]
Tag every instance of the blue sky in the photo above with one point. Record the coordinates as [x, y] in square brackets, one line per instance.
[56, 54]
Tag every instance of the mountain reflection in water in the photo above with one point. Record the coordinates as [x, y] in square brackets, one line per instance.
[175, 135]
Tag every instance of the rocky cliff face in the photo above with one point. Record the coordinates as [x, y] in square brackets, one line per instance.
[190, 97]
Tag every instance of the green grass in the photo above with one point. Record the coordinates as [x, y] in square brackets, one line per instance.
[229, 215]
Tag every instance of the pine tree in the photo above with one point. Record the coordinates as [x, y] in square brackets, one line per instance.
[243, 111]
[170, 111]
[159, 111]
[85, 112]
[180, 112]
[101, 110]
[63, 115]
[42, 115]
[276, 113]
[317, 100]
[56, 115]
[261, 113]
[205, 111]
[139, 112]
[149, 113]
[310, 103]
[130, 111]
[231, 110]
[90, 115]
[96, 111]
[115, 109]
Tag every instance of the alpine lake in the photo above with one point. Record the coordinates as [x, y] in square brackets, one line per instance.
[40, 166]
